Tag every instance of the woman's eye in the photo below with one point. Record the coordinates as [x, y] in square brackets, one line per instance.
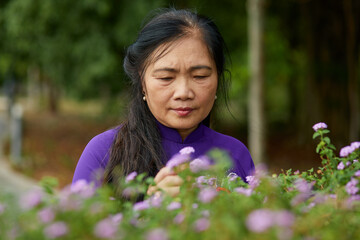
[166, 78]
[200, 76]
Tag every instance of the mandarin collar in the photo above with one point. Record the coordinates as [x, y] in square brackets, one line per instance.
[173, 135]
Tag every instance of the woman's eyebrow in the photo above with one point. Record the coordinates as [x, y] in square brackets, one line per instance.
[166, 69]
[193, 68]
[197, 67]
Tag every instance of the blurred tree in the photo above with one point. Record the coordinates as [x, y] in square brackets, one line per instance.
[352, 60]
[77, 46]
[311, 53]
[324, 48]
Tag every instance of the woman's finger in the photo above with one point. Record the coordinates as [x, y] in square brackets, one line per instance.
[170, 181]
[165, 171]
[151, 190]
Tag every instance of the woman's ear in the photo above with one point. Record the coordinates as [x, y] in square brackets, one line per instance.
[143, 88]
[144, 93]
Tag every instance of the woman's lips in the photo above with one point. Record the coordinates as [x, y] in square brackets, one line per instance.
[183, 111]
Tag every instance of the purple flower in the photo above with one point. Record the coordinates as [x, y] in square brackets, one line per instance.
[332, 196]
[2, 208]
[130, 177]
[261, 171]
[139, 206]
[260, 220]
[345, 151]
[156, 200]
[206, 195]
[355, 145]
[83, 188]
[319, 125]
[177, 160]
[340, 166]
[319, 198]
[117, 218]
[297, 172]
[68, 201]
[355, 161]
[31, 199]
[55, 230]
[301, 197]
[200, 164]
[157, 234]
[244, 191]
[351, 187]
[187, 150]
[284, 218]
[357, 173]
[303, 186]
[179, 218]
[232, 176]
[173, 206]
[200, 181]
[106, 228]
[253, 181]
[129, 192]
[211, 181]
[201, 224]
[350, 201]
[46, 215]
[78, 186]
[205, 213]
[195, 206]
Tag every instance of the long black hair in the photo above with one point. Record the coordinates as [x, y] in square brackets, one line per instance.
[137, 146]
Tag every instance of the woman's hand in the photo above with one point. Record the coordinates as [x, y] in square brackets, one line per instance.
[168, 181]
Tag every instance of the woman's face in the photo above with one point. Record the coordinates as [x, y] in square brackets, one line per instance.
[180, 86]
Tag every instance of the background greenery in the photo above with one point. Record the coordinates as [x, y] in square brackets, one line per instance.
[63, 49]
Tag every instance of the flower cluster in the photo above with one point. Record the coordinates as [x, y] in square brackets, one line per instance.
[319, 125]
[180, 158]
[261, 220]
[281, 206]
[346, 151]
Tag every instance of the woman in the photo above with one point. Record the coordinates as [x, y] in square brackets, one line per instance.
[176, 67]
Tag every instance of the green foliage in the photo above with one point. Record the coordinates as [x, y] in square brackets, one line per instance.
[293, 205]
[76, 45]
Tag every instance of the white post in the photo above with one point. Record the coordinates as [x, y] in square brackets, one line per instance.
[256, 86]
[16, 133]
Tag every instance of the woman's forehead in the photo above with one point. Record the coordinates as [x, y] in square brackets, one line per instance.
[186, 48]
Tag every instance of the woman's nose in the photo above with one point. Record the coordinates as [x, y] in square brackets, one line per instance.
[183, 89]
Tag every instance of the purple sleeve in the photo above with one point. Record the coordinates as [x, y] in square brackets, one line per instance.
[94, 158]
[243, 163]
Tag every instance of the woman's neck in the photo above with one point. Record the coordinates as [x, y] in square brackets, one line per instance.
[185, 132]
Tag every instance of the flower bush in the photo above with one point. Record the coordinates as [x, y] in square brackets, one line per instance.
[314, 204]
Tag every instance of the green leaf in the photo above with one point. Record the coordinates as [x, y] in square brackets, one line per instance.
[327, 140]
[325, 131]
[48, 184]
[316, 134]
[318, 148]
[331, 146]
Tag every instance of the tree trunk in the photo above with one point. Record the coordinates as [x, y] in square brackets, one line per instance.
[33, 87]
[53, 95]
[256, 117]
